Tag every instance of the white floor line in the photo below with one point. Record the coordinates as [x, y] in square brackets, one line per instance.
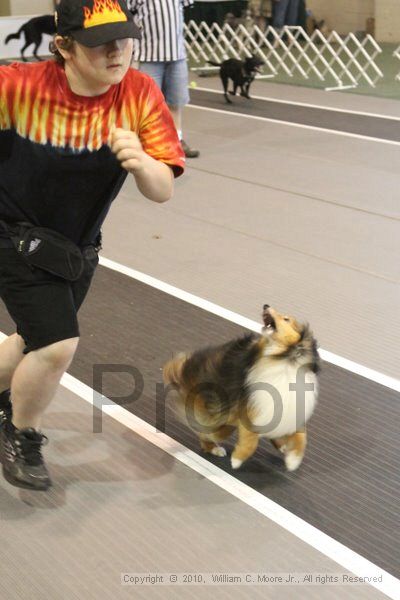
[298, 125]
[306, 105]
[330, 357]
[349, 560]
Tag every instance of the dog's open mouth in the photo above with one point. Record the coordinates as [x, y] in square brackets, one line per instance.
[269, 321]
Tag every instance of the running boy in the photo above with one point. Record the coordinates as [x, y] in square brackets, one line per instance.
[71, 130]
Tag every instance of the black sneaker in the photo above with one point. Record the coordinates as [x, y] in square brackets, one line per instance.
[23, 464]
[189, 152]
[5, 407]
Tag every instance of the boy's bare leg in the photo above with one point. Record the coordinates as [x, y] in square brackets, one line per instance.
[11, 354]
[33, 385]
[36, 379]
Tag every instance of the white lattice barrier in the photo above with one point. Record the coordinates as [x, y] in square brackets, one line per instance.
[342, 62]
[396, 53]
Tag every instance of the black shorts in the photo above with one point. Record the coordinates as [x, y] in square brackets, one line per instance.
[44, 307]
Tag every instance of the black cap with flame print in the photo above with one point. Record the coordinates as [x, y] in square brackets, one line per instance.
[95, 22]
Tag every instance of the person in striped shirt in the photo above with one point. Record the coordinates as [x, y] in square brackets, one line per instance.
[162, 55]
[285, 12]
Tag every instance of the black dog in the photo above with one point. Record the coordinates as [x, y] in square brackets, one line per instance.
[241, 72]
[33, 31]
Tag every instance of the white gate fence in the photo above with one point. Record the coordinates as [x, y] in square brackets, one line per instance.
[396, 53]
[340, 62]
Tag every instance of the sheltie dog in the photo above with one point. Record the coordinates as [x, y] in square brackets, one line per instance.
[262, 385]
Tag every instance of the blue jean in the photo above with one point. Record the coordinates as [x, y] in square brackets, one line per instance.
[286, 12]
[172, 79]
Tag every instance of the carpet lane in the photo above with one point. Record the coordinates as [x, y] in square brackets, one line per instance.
[375, 127]
[348, 485]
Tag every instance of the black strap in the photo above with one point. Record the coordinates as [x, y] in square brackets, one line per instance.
[8, 229]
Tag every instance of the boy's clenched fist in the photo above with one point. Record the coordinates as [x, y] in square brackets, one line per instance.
[127, 148]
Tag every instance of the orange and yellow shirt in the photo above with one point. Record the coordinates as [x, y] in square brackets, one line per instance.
[56, 165]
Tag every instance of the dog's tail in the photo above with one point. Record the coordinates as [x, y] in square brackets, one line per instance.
[214, 64]
[172, 371]
[14, 36]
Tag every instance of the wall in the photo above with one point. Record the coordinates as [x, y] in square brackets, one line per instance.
[4, 7]
[29, 7]
[387, 20]
[344, 15]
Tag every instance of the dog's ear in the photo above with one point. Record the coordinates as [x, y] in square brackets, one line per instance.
[305, 331]
[172, 371]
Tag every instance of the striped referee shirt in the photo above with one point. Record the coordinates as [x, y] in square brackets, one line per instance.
[161, 24]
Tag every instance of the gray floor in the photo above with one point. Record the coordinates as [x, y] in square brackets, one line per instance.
[304, 220]
[362, 125]
[292, 93]
[121, 505]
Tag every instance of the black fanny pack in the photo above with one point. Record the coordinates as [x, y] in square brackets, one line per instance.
[48, 250]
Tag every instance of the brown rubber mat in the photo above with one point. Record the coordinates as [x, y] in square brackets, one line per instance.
[368, 126]
[349, 483]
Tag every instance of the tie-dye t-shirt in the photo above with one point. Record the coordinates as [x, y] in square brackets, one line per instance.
[56, 166]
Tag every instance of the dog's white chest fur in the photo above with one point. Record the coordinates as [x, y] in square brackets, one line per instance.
[276, 408]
